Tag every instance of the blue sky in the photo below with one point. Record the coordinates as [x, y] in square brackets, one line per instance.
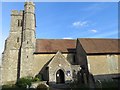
[69, 20]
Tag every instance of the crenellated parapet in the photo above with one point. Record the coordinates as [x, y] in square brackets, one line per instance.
[16, 13]
[29, 3]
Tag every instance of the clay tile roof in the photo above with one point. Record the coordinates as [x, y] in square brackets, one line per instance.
[54, 45]
[91, 45]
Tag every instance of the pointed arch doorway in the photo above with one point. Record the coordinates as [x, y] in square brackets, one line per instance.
[60, 77]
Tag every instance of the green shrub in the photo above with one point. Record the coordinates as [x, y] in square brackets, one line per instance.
[35, 79]
[24, 82]
[42, 87]
[39, 76]
[7, 86]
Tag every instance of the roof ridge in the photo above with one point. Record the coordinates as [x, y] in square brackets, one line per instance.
[56, 39]
[102, 38]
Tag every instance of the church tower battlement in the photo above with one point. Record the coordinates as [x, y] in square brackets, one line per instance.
[14, 39]
[17, 13]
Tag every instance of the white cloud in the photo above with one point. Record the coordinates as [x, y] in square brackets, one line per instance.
[67, 38]
[79, 24]
[93, 30]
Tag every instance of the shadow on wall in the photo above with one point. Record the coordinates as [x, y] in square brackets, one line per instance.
[84, 76]
[19, 64]
[71, 56]
[71, 50]
[107, 77]
[111, 81]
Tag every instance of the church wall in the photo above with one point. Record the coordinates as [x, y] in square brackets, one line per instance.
[103, 64]
[41, 59]
[9, 67]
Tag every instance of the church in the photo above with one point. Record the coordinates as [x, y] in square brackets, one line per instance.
[57, 60]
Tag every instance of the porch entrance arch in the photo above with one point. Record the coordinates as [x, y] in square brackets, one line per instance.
[60, 77]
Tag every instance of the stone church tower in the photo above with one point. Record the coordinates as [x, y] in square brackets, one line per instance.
[28, 43]
[58, 61]
[20, 45]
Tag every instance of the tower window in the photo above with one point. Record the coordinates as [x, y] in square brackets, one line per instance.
[19, 23]
[17, 39]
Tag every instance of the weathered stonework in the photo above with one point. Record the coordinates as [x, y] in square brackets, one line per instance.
[107, 64]
[104, 66]
[20, 45]
[59, 62]
[12, 46]
[21, 58]
[28, 44]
